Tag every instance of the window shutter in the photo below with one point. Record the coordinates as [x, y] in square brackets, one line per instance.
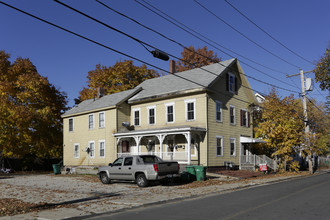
[236, 86]
[227, 82]
[248, 119]
[241, 114]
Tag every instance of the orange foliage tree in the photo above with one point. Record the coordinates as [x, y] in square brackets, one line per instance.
[193, 58]
[30, 111]
[120, 77]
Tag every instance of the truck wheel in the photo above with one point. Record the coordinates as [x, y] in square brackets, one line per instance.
[104, 178]
[141, 180]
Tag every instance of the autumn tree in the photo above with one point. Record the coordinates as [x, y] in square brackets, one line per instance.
[280, 125]
[119, 77]
[321, 71]
[30, 111]
[317, 139]
[193, 58]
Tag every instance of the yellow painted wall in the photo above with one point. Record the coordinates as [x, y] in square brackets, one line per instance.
[82, 135]
[180, 117]
[224, 128]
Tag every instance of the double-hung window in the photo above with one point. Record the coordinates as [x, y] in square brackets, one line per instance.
[91, 121]
[70, 124]
[219, 143]
[101, 120]
[232, 81]
[91, 149]
[102, 148]
[190, 109]
[232, 115]
[76, 150]
[169, 112]
[136, 117]
[232, 146]
[152, 115]
[218, 109]
[245, 118]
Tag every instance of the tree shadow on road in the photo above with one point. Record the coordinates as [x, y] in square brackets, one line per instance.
[72, 202]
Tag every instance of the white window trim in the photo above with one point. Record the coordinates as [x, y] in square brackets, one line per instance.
[103, 120]
[166, 113]
[154, 108]
[89, 145]
[216, 147]
[233, 155]
[231, 75]
[90, 128]
[74, 150]
[231, 106]
[101, 141]
[247, 118]
[72, 124]
[186, 108]
[136, 110]
[218, 102]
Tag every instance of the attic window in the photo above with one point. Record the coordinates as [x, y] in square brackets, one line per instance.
[231, 83]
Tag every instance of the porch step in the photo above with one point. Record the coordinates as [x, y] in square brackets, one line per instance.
[248, 166]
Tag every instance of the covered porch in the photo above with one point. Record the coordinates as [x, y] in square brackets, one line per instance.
[180, 144]
[251, 161]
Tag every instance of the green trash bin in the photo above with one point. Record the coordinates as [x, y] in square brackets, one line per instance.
[191, 172]
[200, 173]
[57, 169]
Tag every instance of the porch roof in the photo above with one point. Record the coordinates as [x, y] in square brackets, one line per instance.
[251, 140]
[164, 130]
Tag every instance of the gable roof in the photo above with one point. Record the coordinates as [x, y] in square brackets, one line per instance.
[108, 101]
[199, 78]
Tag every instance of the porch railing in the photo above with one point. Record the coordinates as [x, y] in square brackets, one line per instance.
[168, 156]
[256, 160]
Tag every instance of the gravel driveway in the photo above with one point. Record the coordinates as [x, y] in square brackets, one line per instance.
[84, 195]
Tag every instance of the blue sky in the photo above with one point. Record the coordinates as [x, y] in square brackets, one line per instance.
[301, 25]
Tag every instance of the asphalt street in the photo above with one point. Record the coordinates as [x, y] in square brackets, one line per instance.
[302, 198]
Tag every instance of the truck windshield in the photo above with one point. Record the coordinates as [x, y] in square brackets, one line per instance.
[150, 159]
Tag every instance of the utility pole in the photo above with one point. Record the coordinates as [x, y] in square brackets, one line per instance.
[304, 101]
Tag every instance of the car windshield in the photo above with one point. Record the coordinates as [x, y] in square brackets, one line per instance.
[150, 159]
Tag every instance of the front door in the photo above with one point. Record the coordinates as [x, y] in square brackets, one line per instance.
[125, 147]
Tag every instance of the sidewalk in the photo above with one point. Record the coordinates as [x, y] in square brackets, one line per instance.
[74, 196]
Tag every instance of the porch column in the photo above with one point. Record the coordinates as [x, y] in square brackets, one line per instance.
[188, 137]
[137, 141]
[161, 138]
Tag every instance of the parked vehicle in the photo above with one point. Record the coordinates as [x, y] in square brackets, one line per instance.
[142, 169]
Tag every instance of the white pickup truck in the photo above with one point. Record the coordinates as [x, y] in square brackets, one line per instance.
[142, 169]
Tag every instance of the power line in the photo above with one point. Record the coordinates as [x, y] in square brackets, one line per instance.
[232, 27]
[269, 35]
[174, 41]
[109, 48]
[142, 42]
[203, 36]
[203, 39]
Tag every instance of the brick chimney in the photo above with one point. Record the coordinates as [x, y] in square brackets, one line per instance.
[100, 92]
[172, 66]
